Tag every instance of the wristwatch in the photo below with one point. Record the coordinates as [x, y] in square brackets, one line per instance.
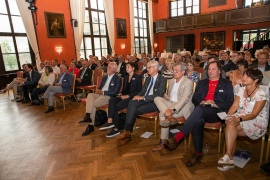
[174, 110]
[240, 118]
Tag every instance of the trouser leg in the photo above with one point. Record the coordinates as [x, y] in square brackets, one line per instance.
[50, 92]
[119, 106]
[98, 102]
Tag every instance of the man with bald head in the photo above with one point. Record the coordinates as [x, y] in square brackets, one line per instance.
[63, 85]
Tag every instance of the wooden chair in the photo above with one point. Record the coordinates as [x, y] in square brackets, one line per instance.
[138, 72]
[199, 70]
[139, 64]
[62, 95]
[215, 126]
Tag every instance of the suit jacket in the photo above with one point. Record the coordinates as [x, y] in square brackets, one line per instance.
[123, 69]
[159, 88]
[184, 95]
[266, 78]
[201, 64]
[164, 68]
[66, 82]
[93, 66]
[87, 77]
[114, 86]
[135, 85]
[223, 96]
[204, 75]
[267, 67]
[33, 81]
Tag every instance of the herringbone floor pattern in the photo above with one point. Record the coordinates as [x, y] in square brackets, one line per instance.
[34, 145]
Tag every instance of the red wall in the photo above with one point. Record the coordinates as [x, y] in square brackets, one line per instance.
[47, 45]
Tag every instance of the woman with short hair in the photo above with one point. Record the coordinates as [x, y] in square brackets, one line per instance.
[237, 75]
[191, 73]
[168, 74]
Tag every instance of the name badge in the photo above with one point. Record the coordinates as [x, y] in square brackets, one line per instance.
[86, 74]
[112, 84]
[64, 80]
[221, 90]
[133, 78]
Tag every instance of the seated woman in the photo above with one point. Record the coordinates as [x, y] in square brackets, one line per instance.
[99, 66]
[168, 74]
[191, 73]
[251, 117]
[47, 79]
[132, 85]
[73, 69]
[237, 75]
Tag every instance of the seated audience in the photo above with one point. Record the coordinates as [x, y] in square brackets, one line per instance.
[63, 62]
[63, 85]
[55, 67]
[195, 57]
[73, 69]
[251, 64]
[176, 104]
[144, 63]
[196, 52]
[104, 61]
[132, 85]
[262, 62]
[155, 85]
[177, 58]
[231, 66]
[212, 95]
[191, 73]
[133, 59]
[42, 68]
[249, 115]
[85, 76]
[205, 58]
[32, 81]
[237, 75]
[183, 59]
[162, 66]
[92, 64]
[168, 73]
[99, 66]
[47, 63]
[121, 66]
[16, 83]
[109, 87]
[220, 56]
[47, 79]
[225, 58]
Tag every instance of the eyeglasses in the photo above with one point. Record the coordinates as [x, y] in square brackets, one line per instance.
[262, 58]
[176, 71]
[149, 67]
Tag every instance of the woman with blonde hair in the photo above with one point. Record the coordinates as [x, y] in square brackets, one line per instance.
[168, 74]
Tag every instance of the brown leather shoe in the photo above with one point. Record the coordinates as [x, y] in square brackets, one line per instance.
[123, 142]
[125, 134]
[193, 160]
[159, 147]
[170, 119]
[171, 144]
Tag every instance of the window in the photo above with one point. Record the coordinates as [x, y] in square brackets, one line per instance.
[184, 7]
[14, 45]
[249, 3]
[95, 39]
[141, 32]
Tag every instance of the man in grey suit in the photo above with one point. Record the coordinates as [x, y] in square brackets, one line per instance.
[63, 85]
[176, 104]
[155, 85]
[162, 65]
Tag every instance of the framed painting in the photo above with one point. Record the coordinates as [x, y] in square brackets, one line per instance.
[121, 28]
[214, 3]
[55, 24]
[214, 41]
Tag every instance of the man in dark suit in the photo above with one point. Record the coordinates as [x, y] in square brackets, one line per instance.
[92, 64]
[109, 87]
[212, 95]
[32, 81]
[162, 67]
[155, 85]
[205, 57]
[121, 66]
[63, 85]
[85, 76]
[262, 62]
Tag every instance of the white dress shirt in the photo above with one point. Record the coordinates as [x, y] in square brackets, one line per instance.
[152, 88]
[173, 94]
[106, 86]
[56, 70]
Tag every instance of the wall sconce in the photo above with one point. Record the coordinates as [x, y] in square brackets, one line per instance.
[155, 45]
[123, 46]
[59, 49]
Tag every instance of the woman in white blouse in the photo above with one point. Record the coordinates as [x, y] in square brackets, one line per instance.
[47, 79]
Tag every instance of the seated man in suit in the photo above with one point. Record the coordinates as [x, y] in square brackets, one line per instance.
[212, 95]
[262, 62]
[121, 66]
[63, 85]
[155, 85]
[205, 57]
[162, 65]
[204, 73]
[109, 87]
[32, 81]
[176, 104]
[85, 76]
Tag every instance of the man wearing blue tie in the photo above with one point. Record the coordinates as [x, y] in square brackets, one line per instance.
[155, 85]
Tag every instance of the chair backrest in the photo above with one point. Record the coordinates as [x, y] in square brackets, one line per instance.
[56, 77]
[99, 79]
[95, 75]
[73, 82]
[138, 72]
[19, 74]
[139, 64]
[199, 70]
[200, 76]
[167, 85]
[194, 87]
[122, 79]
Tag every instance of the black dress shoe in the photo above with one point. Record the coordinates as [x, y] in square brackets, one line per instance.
[50, 109]
[85, 120]
[41, 101]
[171, 144]
[26, 101]
[34, 103]
[193, 160]
[88, 130]
[20, 100]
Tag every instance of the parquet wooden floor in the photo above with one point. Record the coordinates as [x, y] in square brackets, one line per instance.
[34, 145]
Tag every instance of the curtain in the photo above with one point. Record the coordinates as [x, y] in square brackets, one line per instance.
[29, 27]
[109, 15]
[78, 12]
[150, 14]
[131, 19]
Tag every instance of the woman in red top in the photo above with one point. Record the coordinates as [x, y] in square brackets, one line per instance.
[73, 69]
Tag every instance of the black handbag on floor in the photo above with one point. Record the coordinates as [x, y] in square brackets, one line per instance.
[100, 118]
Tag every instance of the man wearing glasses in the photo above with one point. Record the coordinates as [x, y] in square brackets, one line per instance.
[176, 104]
[262, 62]
[231, 67]
[155, 85]
[205, 57]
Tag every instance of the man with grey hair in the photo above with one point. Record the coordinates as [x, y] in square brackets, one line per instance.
[63, 85]
[47, 63]
[154, 86]
[177, 103]
[109, 87]
[162, 67]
